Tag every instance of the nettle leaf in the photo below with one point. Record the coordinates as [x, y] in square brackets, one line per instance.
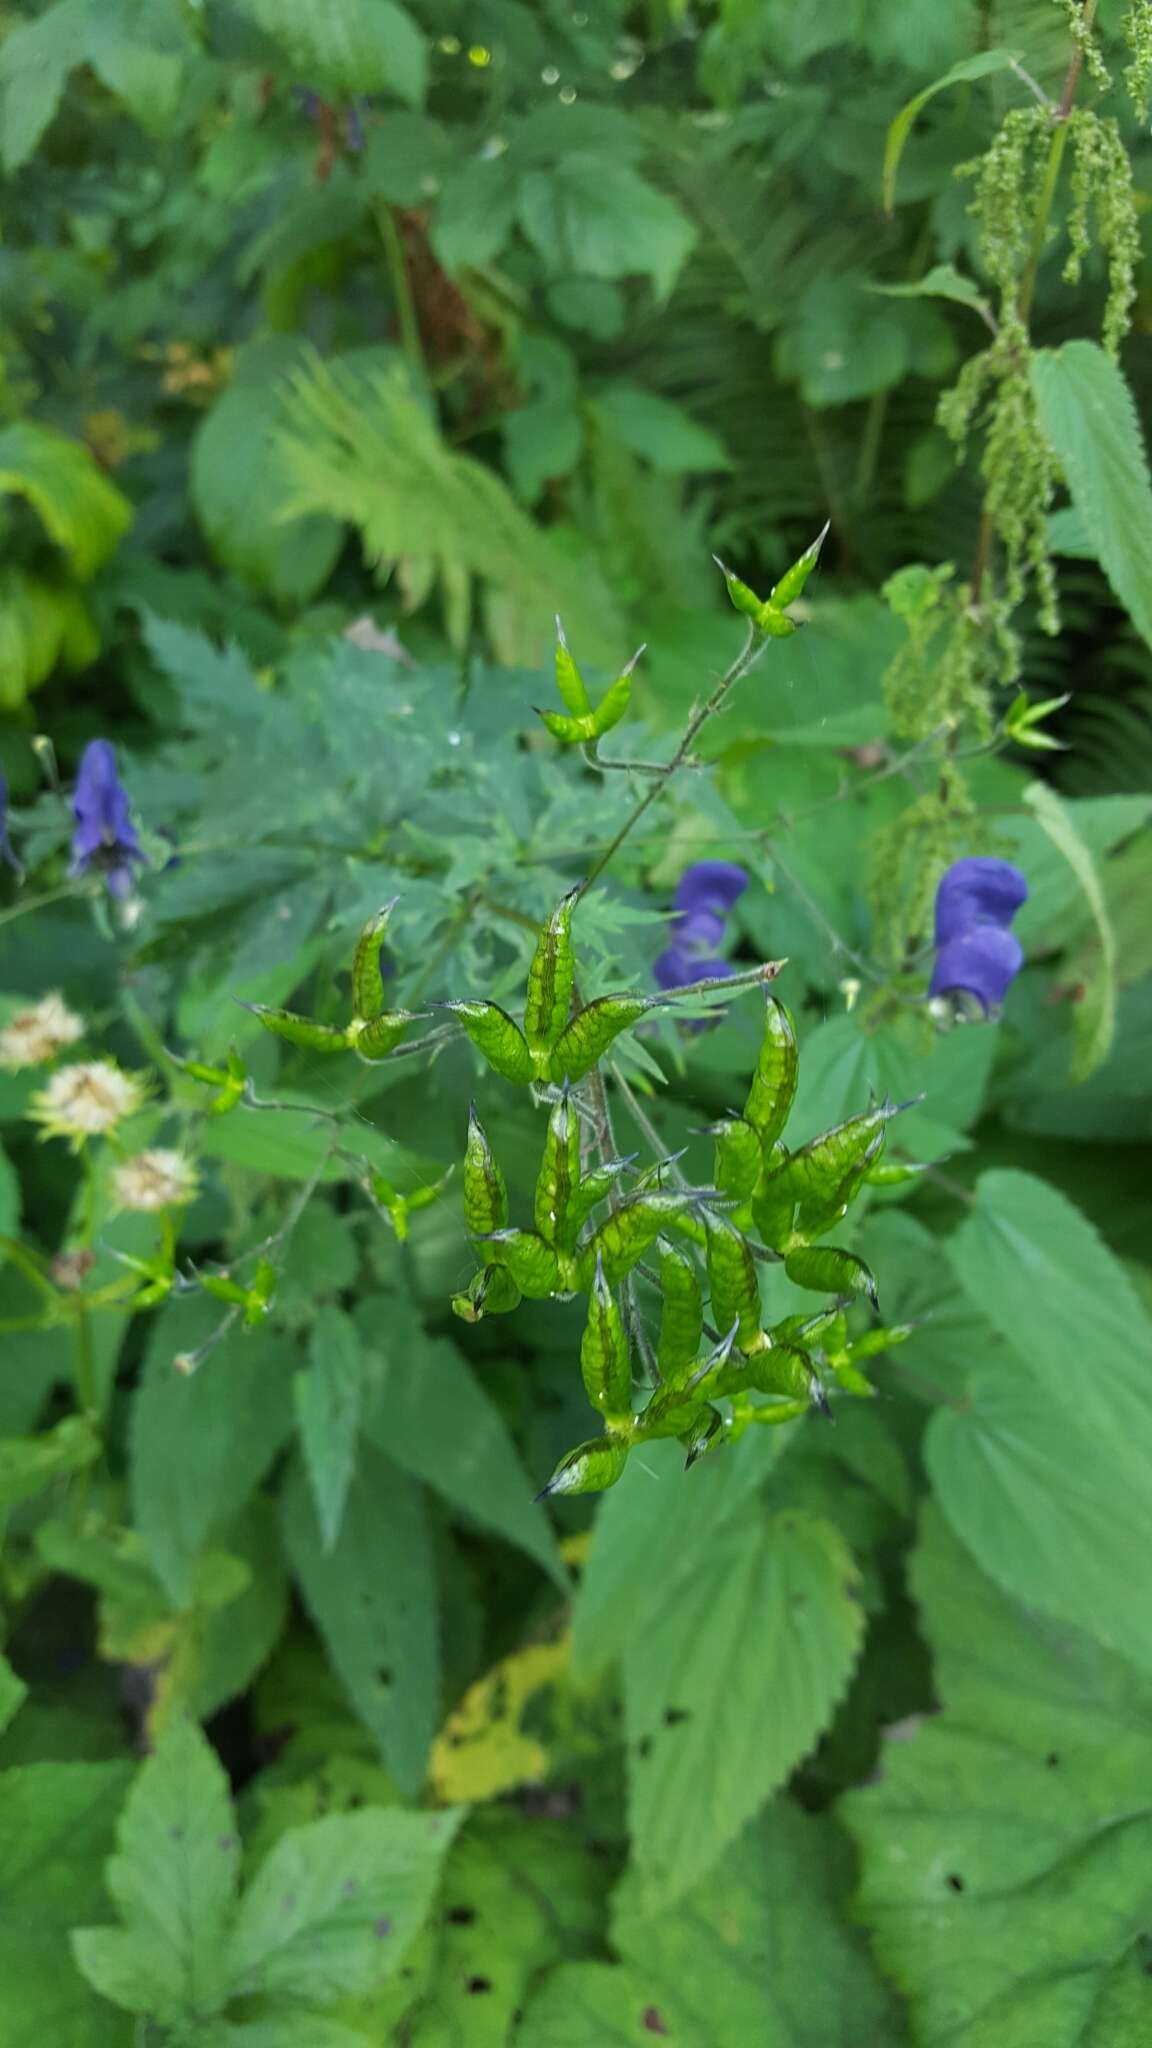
[433, 1417]
[35, 62]
[1006, 1847]
[335, 1905]
[1087, 412]
[587, 215]
[1043, 1468]
[57, 1823]
[173, 1880]
[518, 1895]
[373, 1599]
[202, 1442]
[349, 47]
[712, 1729]
[1094, 1018]
[328, 1399]
[763, 1948]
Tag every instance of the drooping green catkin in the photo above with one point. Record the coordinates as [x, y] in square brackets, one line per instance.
[1080, 30]
[954, 653]
[1137, 32]
[1008, 180]
[909, 856]
[1102, 188]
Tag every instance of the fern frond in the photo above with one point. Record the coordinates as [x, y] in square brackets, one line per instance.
[360, 445]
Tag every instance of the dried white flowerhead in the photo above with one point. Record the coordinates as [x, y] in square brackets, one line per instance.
[154, 1180]
[85, 1100]
[39, 1033]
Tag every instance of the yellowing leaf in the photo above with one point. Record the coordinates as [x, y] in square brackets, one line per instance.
[483, 1749]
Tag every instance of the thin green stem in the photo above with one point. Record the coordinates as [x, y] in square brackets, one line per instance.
[749, 655]
[401, 285]
[38, 903]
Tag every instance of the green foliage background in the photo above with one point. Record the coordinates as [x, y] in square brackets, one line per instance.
[341, 346]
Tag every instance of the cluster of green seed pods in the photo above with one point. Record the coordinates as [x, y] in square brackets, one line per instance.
[373, 1031]
[583, 720]
[596, 1221]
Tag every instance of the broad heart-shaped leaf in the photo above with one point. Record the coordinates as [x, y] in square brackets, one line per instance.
[373, 1599]
[1044, 1468]
[1087, 412]
[238, 482]
[36, 59]
[1094, 1022]
[592, 218]
[1007, 1848]
[82, 512]
[759, 1955]
[328, 1400]
[56, 1833]
[519, 1894]
[173, 1881]
[335, 1905]
[728, 1682]
[201, 1443]
[656, 1528]
[432, 1416]
[348, 47]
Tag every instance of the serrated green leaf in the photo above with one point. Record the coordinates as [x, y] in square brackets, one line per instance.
[57, 1824]
[599, 219]
[202, 1442]
[336, 1905]
[239, 483]
[35, 62]
[712, 1731]
[1043, 1471]
[763, 1947]
[433, 1417]
[1006, 1846]
[1094, 1026]
[173, 1880]
[328, 1401]
[373, 1599]
[1087, 412]
[349, 46]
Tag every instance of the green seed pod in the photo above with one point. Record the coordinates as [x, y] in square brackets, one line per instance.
[494, 1033]
[732, 1283]
[550, 978]
[781, 1411]
[591, 1468]
[821, 1167]
[559, 1172]
[785, 1369]
[802, 1331]
[681, 1312]
[736, 1167]
[485, 1189]
[382, 1033]
[893, 1173]
[367, 980]
[301, 1030]
[813, 1218]
[613, 705]
[569, 681]
[874, 1342]
[532, 1263]
[604, 1360]
[589, 1035]
[261, 1291]
[491, 1292]
[223, 1288]
[793, 580]
[595, 1187]
[704, 1435]
[773, 1087]
[828, 1271]
[624, 1237]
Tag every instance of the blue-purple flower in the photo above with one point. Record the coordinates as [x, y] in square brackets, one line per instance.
[704, 895]
[976, 954]
[6, 852]
[105, 838]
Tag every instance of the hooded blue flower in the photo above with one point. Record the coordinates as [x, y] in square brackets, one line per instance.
[6, 852]
[704, 895]
[976, 954]
[105, 837]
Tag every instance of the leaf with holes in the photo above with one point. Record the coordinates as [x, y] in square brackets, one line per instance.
[1007, 1847]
